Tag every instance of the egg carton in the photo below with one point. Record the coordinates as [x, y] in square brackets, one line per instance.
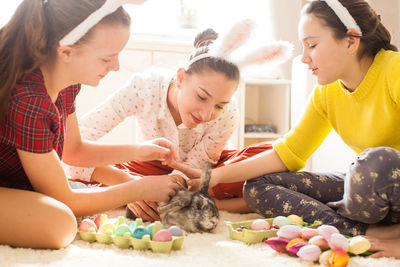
[137, 244]
[127, 241]
[251, 236]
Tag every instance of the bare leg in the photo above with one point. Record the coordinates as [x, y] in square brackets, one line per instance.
[30, 219]
[235, 205]
[384, 231]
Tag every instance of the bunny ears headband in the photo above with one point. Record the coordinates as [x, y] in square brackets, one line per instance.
[107, 8]
[276, 52]
[344, 15]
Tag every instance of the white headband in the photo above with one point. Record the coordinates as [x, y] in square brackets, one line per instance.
[344, 15]
[276, 52]
[107, 8]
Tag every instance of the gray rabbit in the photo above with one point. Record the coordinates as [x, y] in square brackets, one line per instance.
[192, 211]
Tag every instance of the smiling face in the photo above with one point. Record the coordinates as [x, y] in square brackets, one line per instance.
[326, 56]
[201, 97]
[92, 60]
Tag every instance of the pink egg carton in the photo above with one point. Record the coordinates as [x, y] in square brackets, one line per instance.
[242, 231]
[126, 240]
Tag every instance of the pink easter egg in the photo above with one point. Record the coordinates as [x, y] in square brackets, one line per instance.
[319, 241]
[163, 235]
[86, 224]
[308, 233]
[260, 225]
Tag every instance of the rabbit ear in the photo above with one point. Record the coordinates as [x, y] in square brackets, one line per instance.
[276, 52]
[205, 178]
[235, 37]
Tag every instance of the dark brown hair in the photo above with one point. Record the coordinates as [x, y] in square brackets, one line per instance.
[374, 35]
[217, 64]
[32, 35]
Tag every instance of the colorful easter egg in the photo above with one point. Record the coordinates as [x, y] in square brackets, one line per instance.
[319, 241]
[132, 226]
[100, 219]
[296, 219]
[175, 230]
[259, 225]
[107, 228]
[87, 224]
[154, 228]
[358, 245]
[139, 232]
[309, 253]
[281, 221]
[308, 233]
[162, 236]
[122, 229]
[289, 231]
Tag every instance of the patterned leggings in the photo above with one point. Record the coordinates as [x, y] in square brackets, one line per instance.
[367, 194]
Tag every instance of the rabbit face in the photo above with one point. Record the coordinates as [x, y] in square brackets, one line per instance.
[192, 211]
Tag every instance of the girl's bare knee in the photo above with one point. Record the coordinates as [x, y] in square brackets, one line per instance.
[60, 230]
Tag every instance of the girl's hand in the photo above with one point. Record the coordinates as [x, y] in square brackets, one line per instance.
[384, 247]
[157, 149]
[158, 188]
[192, 173]
[147, 210]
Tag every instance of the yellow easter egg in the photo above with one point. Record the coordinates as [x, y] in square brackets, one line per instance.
[296, 219]
[107, 228]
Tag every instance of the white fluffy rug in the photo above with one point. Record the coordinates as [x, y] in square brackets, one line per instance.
[216, 249]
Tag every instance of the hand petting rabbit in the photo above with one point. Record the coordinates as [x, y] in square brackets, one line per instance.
[192, 211]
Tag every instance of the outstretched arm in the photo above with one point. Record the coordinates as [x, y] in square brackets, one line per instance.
[84, 153]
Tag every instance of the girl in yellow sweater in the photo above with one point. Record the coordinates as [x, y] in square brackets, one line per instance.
[349, 51]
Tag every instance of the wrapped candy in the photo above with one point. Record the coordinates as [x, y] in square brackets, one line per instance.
[289, 231]
[309, 253]
[319, 241]
[339, 258]
[338, 242]
[359, 245]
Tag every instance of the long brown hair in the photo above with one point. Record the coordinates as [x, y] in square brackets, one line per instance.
[374, 37]
[32, 35]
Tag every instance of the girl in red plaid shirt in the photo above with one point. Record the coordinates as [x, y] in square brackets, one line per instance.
[45, 56]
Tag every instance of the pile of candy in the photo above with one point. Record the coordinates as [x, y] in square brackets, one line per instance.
[137, 235]
[324, 244]
[255, 231]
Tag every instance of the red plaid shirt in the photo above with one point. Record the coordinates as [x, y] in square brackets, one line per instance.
[34, 124]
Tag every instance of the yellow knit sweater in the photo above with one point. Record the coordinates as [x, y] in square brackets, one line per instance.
[367, 117]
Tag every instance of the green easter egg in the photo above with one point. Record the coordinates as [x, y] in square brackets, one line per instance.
[122, 229]
[281, 221]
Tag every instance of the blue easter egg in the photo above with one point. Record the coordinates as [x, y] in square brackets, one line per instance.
[132, 226]
[139, 232]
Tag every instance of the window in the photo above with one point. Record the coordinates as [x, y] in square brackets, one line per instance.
[7, 9]
[182, 17]
[167, 17]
